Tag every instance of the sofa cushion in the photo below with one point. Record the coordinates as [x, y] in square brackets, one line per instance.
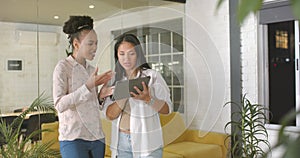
[171, 155]
[193, 149]
[52, 135]
[106, 126]
[173, 127]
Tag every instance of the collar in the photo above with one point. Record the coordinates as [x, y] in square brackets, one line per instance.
[138, 75]
[74, 62]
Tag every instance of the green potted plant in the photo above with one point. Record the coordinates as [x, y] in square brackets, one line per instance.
[248, 131]
[16, 147]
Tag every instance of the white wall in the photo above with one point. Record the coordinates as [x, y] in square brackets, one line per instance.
[207, 51]
[249, 56]
[19, 88]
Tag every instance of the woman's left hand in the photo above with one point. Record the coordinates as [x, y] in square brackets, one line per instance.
[142, 95]
[106, 91]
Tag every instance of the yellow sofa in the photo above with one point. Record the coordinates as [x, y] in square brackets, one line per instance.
[50, 135]
[180, 142]
[186, 143]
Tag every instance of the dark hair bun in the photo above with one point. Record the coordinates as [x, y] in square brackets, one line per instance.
[78, 23]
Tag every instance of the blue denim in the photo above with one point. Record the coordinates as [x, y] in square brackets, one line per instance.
[82, 149]
[125, 149]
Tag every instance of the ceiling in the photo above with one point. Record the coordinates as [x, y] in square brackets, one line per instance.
[43, 11]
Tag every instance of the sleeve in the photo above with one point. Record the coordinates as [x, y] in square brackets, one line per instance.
[161, 91]
[62, 97]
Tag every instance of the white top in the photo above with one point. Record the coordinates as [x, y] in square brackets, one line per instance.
[78, 108]
[145, 128]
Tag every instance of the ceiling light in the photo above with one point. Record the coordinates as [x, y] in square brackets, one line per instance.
[56, 17]
[91, 6]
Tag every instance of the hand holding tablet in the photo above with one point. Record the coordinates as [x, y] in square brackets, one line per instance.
[123, 88]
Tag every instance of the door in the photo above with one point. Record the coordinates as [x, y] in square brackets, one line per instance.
[281, 56]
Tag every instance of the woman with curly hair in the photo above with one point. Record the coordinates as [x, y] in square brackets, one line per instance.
[75, 93]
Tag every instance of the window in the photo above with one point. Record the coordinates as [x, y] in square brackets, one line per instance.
[281, 39]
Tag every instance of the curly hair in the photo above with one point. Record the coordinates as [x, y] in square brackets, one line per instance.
[75, 25]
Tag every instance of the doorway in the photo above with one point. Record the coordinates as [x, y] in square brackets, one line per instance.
[282, 70]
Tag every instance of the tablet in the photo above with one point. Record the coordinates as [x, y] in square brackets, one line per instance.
[123, 88]
[138, 83]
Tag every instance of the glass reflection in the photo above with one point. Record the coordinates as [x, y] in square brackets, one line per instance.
[40, 43]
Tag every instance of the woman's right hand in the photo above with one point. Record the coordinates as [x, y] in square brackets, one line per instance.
[96, 80]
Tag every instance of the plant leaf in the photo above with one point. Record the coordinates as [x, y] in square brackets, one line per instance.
[295, 7]
[292, 149]
[19, 148]
[246, 7]
[249, 129]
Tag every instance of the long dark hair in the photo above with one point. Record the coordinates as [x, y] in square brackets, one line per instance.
[141, 62]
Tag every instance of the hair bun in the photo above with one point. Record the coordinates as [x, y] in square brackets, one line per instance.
[77, 23]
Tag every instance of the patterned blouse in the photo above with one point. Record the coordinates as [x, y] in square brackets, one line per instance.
[78, 108]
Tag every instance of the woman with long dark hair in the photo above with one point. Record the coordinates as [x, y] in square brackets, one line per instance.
[136, 129]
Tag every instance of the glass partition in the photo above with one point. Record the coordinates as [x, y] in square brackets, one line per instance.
[37, 43]
[32, 42]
